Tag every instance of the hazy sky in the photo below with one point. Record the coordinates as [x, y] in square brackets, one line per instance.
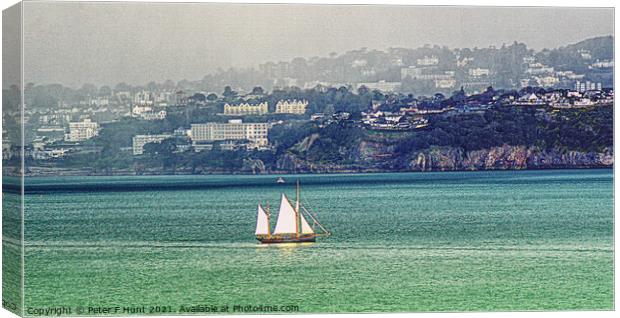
[107, 43]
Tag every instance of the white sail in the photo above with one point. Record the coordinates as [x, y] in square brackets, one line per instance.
[286, 218]
[305, 228]
[262, 222]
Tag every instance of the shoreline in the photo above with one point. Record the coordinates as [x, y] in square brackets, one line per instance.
[320, 172]
[82, 173]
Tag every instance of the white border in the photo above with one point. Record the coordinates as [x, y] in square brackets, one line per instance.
[509, 3]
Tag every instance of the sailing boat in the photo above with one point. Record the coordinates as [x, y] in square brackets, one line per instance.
[291, 226]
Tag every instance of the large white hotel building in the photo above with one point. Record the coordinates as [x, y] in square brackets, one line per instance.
[255, 133]
[83, 130]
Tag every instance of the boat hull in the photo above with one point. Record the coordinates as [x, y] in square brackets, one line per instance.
[286, 239]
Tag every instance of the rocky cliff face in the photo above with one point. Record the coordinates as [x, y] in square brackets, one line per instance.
[255, 166]
[506, 157]
[379, 157]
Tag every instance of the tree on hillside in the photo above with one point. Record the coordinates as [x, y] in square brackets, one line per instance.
[229, 93]
[163, 148]
[257, 90]
[199, 97]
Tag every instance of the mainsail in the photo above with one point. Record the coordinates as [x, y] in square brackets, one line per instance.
[286, 218]
[262, 222]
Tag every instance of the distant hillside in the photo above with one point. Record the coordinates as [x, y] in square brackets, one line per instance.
[571, 57]
[438, 69]
[601, 48]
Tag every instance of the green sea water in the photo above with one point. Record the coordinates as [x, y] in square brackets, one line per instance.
[406, 242]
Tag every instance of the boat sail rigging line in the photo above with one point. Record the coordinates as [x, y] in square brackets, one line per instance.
[291, 226]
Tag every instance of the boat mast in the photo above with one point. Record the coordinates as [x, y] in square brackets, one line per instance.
[297, 210]
[268, 221]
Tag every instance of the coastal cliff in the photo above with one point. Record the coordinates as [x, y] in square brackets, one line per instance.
[507, 157]
[498, 139]
[372, 157]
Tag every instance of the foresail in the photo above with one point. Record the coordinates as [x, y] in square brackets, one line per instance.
[286, 218]
[305, 228]
[262, 222]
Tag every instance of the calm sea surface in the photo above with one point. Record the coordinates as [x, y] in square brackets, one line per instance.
[450, 241]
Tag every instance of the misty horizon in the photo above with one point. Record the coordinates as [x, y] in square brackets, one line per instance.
[138, 43]
[255, 67]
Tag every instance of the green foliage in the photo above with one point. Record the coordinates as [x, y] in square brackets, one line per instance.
[116, 135]
[581, 130]
[335, 144]
[164, 148]
[219, 160]
[284, 137]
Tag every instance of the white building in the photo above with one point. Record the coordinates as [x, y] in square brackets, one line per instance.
[255, 133]
[445, 83]
[479, 72]
[464, 61]
[143, 98]
[98, 101]
[140, 140]
[603, 64]
[6, 148]
[583, 102]
[587, 86]
[317, 116]
[569, 75]
[246, 109]
[530, 99]
[137, 110]
[291, 107]
[359, 63]
[539, 68]
[428, 61]
[84, 130]
[160, 115]
[382, 86]
[410, 71]
[40, 154]
[547, 81]
[418, 73]
[585, 54]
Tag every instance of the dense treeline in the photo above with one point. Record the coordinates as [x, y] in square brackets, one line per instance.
[580, 130]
